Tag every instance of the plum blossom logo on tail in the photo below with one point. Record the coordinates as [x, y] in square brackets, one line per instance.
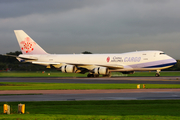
[27, 45]
[108, 59]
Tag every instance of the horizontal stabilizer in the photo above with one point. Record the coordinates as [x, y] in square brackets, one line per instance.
[24, 58]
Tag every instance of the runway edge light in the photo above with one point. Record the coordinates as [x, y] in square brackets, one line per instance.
[6, 109]
[138, 86]
[21, 108]
[144, 86]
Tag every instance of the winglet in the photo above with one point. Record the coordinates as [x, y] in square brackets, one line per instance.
[27, 44]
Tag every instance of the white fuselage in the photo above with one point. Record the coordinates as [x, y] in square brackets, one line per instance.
[131, 61]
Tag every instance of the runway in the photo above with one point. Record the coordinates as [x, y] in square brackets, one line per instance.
[66, 95]
[138, 80]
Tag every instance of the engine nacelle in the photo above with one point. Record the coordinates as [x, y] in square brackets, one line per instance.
[101, 71]
[68, 68]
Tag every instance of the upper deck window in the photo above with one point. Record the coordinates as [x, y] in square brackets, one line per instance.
[162, 53]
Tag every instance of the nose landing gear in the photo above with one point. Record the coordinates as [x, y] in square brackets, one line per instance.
[157, 73]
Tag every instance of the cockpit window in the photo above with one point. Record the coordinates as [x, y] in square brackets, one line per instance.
[162, 53]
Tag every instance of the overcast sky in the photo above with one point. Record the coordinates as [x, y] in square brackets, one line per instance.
[98, 26]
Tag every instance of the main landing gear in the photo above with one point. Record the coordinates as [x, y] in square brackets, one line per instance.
[157, 73]
[92, 75]
[95, 75]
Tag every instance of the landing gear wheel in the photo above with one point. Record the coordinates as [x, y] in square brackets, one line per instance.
[96, 75]
[109, 75]
[92, 75]
[157, 74]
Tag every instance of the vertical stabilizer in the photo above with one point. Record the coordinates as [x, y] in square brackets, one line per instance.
[27, 44]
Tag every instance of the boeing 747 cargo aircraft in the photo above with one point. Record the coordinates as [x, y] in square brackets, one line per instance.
[95, 64]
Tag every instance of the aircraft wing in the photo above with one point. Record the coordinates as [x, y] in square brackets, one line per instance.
[110, 66]
[87, 66]
[56, 64]
[46, 63]
[113, 66]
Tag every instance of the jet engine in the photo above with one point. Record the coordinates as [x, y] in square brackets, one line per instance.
[101, 71]
[68, 68]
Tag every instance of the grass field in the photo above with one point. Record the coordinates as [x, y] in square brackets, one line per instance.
[96, 110]
[89, 110]
[40, 74]
[59, 74]
[77, 86]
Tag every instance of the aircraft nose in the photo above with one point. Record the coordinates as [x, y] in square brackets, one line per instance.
[173, 61]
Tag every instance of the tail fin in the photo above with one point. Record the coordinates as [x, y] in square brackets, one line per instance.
[27, 44]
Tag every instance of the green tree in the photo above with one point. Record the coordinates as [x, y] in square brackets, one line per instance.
[7, 62]
[86, 52]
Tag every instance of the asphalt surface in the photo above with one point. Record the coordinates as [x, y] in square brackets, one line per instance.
[138, 80]
[142, 94]
[98, 96]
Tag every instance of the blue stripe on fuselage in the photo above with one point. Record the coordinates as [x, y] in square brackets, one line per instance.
[162, 65]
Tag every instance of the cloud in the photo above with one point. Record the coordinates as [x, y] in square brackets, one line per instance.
[18, 8]
[103, 26]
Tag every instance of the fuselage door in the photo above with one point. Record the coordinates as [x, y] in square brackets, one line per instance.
[154, 54]
[50, 60]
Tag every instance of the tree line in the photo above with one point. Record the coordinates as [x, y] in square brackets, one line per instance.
[8, 63]
[11, 63]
